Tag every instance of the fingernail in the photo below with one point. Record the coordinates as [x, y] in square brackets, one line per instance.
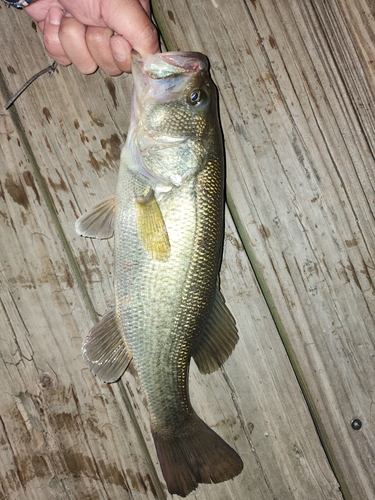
[55, 15]
[118, 50]
[119, 55]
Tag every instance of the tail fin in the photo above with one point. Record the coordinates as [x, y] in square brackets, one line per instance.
[197, 455]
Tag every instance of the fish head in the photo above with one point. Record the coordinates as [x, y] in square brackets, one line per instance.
[174, 114]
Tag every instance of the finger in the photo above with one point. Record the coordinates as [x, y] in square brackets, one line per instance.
[121, 51]
[98, 42]
[130, 20]
[39, 10]
[146, 6]
[72, 35]
[52, 43]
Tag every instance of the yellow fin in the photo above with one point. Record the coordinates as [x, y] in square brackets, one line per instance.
[151, 227]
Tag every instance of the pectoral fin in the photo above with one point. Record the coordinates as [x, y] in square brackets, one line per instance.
[218, 338]
[99, 221]
[104, 349]
[151, 227]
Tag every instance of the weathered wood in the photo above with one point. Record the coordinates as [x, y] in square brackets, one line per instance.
[297, 89]
[64, 435]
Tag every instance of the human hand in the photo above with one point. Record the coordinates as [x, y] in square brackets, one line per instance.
[92, 33]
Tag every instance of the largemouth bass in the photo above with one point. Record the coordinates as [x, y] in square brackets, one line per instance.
[167, 219]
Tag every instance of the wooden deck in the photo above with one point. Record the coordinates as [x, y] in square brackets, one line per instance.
[297, 97]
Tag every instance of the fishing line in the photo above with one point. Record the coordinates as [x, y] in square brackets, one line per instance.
[50, 70]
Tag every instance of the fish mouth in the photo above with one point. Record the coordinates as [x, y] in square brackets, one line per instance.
[169, 64]
[162, 76]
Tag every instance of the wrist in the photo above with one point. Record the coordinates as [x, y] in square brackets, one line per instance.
[19, 4]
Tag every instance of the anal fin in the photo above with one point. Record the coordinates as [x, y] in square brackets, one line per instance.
[104, 349]
[99, 221]
[218, 338]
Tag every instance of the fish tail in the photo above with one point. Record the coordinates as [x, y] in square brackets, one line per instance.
[196, 455]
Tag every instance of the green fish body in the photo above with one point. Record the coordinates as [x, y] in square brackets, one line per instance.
[167, 219]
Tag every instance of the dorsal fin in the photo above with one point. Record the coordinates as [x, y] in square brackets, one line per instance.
[218, 338]
[99, 221]
[104, 349]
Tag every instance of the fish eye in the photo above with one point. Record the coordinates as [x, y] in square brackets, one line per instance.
[195, 96]
[198, 97]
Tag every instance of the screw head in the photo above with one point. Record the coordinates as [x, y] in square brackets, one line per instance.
[356, 424]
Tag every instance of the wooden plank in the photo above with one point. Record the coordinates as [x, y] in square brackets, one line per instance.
[63, 434]
[296, 81]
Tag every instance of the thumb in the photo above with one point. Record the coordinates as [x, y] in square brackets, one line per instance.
[129, 19]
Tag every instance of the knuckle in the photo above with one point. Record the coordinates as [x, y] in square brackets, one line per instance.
[114, 72]
[88, 70]
[51, 41]
[69, 30]
[150, 33]
[98, 36]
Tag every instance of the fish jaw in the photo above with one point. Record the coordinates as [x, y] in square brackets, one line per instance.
[158, 75]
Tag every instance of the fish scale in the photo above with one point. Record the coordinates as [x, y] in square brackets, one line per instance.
[167, 219]
[161, 284]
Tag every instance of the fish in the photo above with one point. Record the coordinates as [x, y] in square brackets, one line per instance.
[167, 220]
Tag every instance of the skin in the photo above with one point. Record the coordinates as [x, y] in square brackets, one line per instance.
[95, 33]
